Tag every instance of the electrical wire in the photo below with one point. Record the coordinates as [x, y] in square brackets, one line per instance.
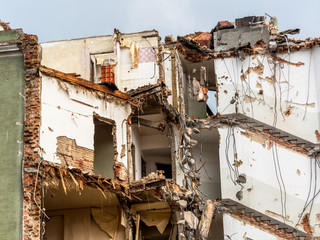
[283, 193]
[34, 191]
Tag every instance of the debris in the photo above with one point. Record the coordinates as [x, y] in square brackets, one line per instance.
[191, 220]
[239, 195]
[206, 218]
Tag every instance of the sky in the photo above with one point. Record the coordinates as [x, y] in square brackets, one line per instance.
[69, 19]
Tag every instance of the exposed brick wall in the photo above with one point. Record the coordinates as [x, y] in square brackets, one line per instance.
[73, 155]
[31, 213]
[265, 226]
[120, 171]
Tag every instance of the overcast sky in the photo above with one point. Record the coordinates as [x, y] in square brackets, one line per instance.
[67, 19]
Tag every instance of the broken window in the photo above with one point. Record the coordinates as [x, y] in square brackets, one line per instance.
[103, 148]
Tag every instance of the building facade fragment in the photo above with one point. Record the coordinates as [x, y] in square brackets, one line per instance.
[209, 136]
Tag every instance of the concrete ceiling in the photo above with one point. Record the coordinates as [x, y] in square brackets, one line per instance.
[56, 199]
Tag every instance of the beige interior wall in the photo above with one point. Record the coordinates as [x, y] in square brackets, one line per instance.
[103, 150]
[76, 224]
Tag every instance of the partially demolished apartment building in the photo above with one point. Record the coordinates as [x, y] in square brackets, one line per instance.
[207, 136]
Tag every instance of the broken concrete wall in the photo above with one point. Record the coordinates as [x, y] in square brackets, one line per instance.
[173, 72]
[236, 229]
[271, 179]
[141, 68]
[69, 111]
[178, 174]
[256, 85]
[73, 56]
[168, 75]
[234, 38]
[133, 68]
[180, 79]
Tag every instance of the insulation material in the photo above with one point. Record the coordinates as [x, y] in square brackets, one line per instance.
[158, 218]
[107, 220]
[153, 214]
[133, 51]
[147, 54]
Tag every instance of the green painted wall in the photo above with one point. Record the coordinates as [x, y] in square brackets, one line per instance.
[195, 108]
[12, 84]
[8, 36]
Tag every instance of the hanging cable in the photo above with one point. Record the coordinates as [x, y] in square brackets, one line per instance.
[283, 193]
[34, 191]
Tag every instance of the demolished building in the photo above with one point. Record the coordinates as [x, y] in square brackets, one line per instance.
[209, 136]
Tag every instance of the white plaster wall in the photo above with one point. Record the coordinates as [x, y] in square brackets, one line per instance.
[73, 56]
[136, 141]
[237, 230]
[145, 73]
[181, 80]
[168, 73]
[61, 116]
[291, 90]
[261, 191]
[132, 78]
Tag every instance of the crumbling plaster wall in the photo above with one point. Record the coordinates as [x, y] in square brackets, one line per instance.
[294, 85]
[73, 56]
[177, 174]
[68, 110]
[261, 191]
[168, 72]
[147, 70]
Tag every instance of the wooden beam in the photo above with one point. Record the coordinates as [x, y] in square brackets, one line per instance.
[71, 78]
